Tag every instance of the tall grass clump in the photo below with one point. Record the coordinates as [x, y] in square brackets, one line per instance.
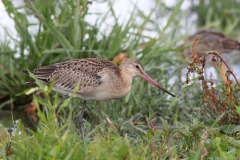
[62, 33]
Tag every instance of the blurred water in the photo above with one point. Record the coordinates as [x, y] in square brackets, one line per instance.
[10, 120]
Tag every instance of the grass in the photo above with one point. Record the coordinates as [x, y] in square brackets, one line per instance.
[147, 124]
[157, 140]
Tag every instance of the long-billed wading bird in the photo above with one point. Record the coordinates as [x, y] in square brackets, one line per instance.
[99, 79]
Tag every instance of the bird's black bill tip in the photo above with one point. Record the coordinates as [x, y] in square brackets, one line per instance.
[171, 94]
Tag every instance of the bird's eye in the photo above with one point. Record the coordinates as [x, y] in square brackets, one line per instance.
[137, 66]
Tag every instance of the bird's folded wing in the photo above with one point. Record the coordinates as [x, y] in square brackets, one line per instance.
[68, 74]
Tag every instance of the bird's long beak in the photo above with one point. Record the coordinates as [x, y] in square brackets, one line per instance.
[149, 79]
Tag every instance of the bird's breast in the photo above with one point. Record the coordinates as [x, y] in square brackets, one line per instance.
[105, 91]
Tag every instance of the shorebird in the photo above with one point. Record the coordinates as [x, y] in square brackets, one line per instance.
[212, 40]
[99, 79]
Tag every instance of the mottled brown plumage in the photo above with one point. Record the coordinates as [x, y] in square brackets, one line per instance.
[212, 40]
[69, 73]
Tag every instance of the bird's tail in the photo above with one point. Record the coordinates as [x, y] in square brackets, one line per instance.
[27, 72]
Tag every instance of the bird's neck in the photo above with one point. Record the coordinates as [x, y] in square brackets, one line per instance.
[126, 77]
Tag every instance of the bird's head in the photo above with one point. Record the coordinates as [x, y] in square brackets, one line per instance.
[135, 69]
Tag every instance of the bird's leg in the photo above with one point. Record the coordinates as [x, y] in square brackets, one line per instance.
[81, 119]
[60, 103]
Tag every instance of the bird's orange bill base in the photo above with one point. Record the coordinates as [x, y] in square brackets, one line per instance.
[149, 79]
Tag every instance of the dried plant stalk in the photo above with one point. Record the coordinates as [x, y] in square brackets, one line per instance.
[216, 104]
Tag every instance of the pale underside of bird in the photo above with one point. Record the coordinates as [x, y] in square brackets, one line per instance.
[99, 79]
[212, 40]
